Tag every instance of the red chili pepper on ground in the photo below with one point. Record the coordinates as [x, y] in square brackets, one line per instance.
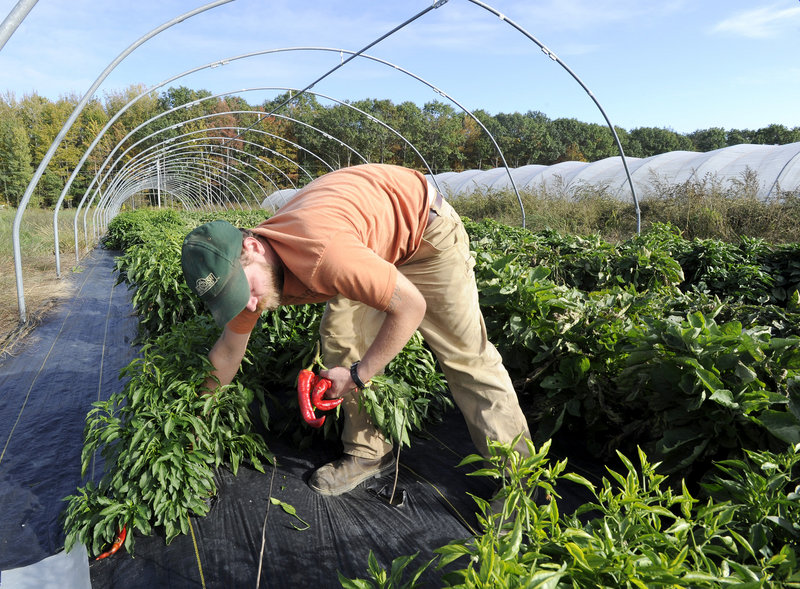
[117, 543]
[317, 396]
[305, 380]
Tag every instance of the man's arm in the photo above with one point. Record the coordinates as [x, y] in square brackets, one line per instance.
[226, 356]
[405, 313]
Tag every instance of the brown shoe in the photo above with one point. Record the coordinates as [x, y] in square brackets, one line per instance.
[346, 473]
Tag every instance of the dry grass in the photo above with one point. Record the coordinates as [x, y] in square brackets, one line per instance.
[43, 290]
[698, 208]
[588, 212]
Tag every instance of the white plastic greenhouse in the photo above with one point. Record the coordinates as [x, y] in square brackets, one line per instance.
[775, 169]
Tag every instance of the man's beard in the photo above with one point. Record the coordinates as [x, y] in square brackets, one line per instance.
[272, 299]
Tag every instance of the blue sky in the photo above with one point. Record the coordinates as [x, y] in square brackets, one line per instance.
[678, 64]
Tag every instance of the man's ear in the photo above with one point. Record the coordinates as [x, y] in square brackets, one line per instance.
[251, 246]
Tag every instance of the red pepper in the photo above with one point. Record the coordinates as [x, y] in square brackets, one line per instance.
[116, 545]
[305, 380]
[317, 396]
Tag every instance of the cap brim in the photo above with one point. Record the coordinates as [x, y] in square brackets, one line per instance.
[231, 299]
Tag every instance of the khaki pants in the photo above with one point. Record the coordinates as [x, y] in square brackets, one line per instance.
[454, 329]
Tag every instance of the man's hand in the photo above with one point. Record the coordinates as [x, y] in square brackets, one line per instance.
[341, 383]
[403, 316]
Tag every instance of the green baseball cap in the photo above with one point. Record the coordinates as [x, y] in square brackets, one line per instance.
[211, 267]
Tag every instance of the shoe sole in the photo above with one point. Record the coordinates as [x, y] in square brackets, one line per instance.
[357, 481]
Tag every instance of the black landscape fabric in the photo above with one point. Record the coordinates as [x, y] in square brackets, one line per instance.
[329, 535]
[47, 386]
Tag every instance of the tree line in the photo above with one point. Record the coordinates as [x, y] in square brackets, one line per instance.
[297, 137]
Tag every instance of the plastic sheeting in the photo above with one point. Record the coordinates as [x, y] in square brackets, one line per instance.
[777, 168]
[68, 570]
[69, 361]
[224, 548]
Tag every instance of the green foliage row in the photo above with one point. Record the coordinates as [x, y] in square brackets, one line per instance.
[746, 271]
[160, 443]
[637, 531]
[161, 296]
[614, 341]
[643, 361]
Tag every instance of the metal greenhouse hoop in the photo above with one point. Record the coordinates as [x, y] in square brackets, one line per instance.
[555, 58]
[307, 89]
[63, 132]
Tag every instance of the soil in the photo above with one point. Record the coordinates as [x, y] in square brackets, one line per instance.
[43, 291]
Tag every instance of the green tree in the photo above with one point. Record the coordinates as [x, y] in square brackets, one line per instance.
[70, 149]
[412, 126]
[136, 113]
[513, 137]
[709, 139]
[649, 141]
[738, 136]
[43, 121]
[442, 137]
[31, 109]
[342, 125]
[570, 135]
[542, 145]
[292, 115]
[190, 105]
[479, 151]
[374, 140]
[776, 135]
[526, 139]
[15, 156]
[597, 142]
[624, 141]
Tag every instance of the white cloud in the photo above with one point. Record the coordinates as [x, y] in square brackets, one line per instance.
[761, 23]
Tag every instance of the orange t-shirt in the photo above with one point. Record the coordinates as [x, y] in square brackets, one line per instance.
[345, 233]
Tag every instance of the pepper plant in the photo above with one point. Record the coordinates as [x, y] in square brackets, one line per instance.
[134, 227]
[711, 390]
[765, 488]
[161, 297]
[637, 531]
[161, 442]
[411, 394]
[599, 361]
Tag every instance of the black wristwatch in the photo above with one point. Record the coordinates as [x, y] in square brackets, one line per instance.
[354, 375]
